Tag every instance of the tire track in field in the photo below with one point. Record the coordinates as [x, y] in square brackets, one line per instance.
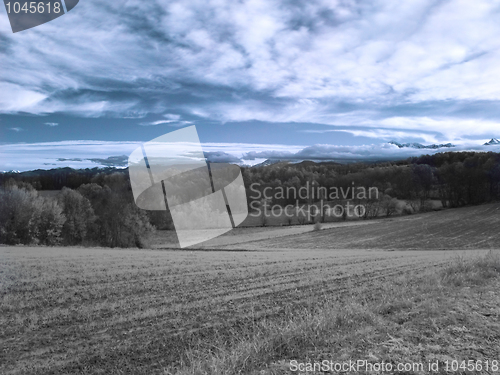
[259, 309]
[137, 310]
[231, 289]
[265, 299]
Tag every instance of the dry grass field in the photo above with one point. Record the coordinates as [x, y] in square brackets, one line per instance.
[116, 311]
[474, 227]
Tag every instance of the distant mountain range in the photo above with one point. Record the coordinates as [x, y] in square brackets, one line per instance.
[493, 141]
[414, 145]
[419, 145]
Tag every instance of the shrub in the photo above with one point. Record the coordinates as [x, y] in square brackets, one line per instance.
[407, 211]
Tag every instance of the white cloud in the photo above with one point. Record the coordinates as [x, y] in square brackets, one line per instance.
[261, 60]
[14, 97]
[154, 123]
[387, 134]
[454, 128]
[374, 152]
[46, 155]
[161, 122]
[171, 119]
[78, 154]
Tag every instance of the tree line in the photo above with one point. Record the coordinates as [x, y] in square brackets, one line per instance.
[455, 178]
[95, 213]
[96, 206]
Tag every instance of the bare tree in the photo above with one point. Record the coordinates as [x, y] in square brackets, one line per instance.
[389, 205]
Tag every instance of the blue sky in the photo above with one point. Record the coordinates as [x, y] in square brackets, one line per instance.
[275, 76]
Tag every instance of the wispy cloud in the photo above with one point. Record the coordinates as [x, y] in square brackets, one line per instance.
[381, 134]
[421, 65]
[169, 122]
[171, 119]
[154, 123]
[16, 129]
[51, 124]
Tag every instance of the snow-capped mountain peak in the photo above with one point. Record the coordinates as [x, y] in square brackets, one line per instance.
[493, 141]
[419, 145]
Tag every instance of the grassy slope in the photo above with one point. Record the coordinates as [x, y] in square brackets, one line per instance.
[465, 228]
[445, 316]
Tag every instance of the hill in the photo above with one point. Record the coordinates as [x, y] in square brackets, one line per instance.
[473, 227]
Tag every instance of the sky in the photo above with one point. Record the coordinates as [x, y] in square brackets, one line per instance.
[288, 79]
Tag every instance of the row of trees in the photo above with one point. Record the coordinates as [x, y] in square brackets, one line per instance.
[457, 179]
[56, 179]
[103, 215]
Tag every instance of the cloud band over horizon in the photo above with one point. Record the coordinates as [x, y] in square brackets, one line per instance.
[90, 154]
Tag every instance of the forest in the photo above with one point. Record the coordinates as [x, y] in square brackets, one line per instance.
[96, 207]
